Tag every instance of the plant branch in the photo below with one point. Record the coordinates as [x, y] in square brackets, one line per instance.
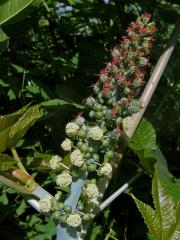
[15, 185]
[110, 199]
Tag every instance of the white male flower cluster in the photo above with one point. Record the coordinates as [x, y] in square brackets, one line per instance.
[95, 133]
[64, 179]
[54, 162]
[45, 204]
[66, 144]
[71, 128]
[105, 169]
[74, 220]
[76, 158]
[91, 191]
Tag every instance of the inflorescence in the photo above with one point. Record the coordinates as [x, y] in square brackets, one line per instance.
[90, 142]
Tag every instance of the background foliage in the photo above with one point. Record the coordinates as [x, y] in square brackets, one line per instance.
[53, 51]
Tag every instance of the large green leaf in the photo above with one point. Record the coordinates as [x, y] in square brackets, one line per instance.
[144, 137]
[20, 127]
[163, 203]
[169, 182]
[6, 162]
[4, 41]
[150, 218]
[10, 8]
[143, 143]
[174, 233]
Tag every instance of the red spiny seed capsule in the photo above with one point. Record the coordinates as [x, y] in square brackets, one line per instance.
[142, 30]
[106, 88]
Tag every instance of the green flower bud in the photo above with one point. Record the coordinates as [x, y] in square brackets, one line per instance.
[87, 155]
[59, 205]
[67, 208]
[97, 107]
[95, 157]
[119, 120]
[94, 180]
[99, 115]
[109, 154]
[80, 206]
[63, 218]
[56, 215]
[92, 167]
[105, 142]
[84, 147]
[84, 167]
[82, 133]
[87, 217]
[92, 114]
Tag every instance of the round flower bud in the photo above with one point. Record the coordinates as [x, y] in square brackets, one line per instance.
[74, 220]
[45, 204]
[64, 179]
[95, 133]
[54, 162]
[91, 191]
[71, 128]
[115, 52]
[90, 101]
[106, 169]
[79, 120]
[76, 158]
[66, 145]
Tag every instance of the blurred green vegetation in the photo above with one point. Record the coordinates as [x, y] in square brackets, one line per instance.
[55, 51]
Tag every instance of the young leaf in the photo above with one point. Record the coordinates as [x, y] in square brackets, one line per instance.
[19, 128]
[6, 122]
[150, 218]
[4, 41]
[6, 162]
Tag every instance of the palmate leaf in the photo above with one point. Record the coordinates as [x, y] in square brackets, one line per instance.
[151, 218]
[164, 204]
[10, 8]
[6, 122]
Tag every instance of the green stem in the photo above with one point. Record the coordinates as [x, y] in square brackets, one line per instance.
[46, 6]
[17, 159]
[15, 185]
[64, 166]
